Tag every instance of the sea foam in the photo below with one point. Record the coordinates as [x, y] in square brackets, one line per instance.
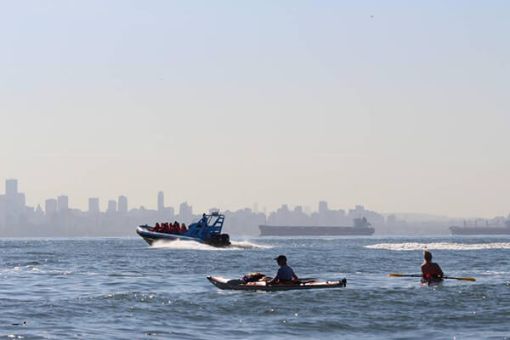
[192, 245]
[439, 246]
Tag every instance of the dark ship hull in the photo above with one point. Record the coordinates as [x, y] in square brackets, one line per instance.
[480, 230]
[268, 230]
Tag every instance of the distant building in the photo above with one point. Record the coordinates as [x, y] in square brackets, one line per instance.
[185, 212]
[62, 203]
[12, 204]
[11, 187]
[122, 203]
[50, 206]
[94, 205]
[112, 207]
[161, 201]
[323, 207]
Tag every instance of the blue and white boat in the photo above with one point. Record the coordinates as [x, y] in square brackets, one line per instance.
[207, 230]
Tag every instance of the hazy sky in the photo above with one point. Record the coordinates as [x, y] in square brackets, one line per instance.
[398, 105]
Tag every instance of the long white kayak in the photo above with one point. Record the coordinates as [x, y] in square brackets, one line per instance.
[223, 283]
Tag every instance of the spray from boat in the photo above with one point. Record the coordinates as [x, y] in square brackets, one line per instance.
[193, 245]
[410, 246]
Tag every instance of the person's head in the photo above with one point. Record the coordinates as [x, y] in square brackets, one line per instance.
[281, 260]
[427, 256]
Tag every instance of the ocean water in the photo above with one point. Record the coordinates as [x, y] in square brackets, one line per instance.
[120, 288]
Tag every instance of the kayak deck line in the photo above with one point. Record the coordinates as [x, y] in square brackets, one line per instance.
[228, 284]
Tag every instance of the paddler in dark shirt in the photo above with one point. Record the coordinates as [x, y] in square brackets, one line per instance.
[285, 273]
[430, 271]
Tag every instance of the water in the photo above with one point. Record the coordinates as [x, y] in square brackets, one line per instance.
[121, 288]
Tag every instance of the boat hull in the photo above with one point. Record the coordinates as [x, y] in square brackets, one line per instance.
[226, 284]
[151, 236]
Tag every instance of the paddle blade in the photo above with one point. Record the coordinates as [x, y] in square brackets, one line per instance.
[395, 275]
[468, 279]
[461, 278]
[403, 275]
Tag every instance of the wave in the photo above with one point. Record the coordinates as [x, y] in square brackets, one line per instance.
[249, 245]
[407, 246]
[192, 245]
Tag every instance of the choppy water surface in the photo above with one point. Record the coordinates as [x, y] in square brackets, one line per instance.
[121, 288]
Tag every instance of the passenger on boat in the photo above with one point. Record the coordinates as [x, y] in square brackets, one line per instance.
[431, 271]
[285, 273]
[203, 227]
[157, 227]
[183, 229]
[175, 227]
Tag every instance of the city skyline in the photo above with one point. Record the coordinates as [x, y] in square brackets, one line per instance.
[59, 218]
[98, 204]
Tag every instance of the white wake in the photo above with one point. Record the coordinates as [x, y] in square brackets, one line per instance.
[439, 246]
[249, 245]
[192, 245]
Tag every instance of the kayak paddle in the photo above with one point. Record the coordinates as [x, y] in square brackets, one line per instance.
[444, 277]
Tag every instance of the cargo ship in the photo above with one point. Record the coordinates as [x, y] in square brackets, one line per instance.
[361, 228]
[486, 230]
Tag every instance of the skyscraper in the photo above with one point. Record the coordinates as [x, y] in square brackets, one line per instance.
[50, 206]
[11, 187]
[112, 206]
[185, 212]
[94, 205]
[161, 201]
[323, 207]
[122, 204]
[13, 202]
[62, 203]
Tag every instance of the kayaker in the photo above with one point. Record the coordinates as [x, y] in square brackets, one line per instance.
[285, 273]
[430, 271]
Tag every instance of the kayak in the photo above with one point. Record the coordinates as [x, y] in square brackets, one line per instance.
[431, 283]
[223, 283]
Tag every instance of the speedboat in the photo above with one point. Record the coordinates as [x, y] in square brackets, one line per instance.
[207, 230]
[223, 283]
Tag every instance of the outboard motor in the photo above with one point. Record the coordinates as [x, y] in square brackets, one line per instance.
[219, 240]
[225, 239]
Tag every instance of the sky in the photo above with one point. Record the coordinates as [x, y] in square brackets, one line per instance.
[401, 106]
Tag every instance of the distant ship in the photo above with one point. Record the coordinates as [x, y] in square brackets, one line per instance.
[361, 227]
[476, 230]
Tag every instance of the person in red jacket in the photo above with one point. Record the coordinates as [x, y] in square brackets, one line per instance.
[430, 271]
[176, 228]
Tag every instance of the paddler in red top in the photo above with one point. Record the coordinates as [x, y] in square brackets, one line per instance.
[430, 271]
